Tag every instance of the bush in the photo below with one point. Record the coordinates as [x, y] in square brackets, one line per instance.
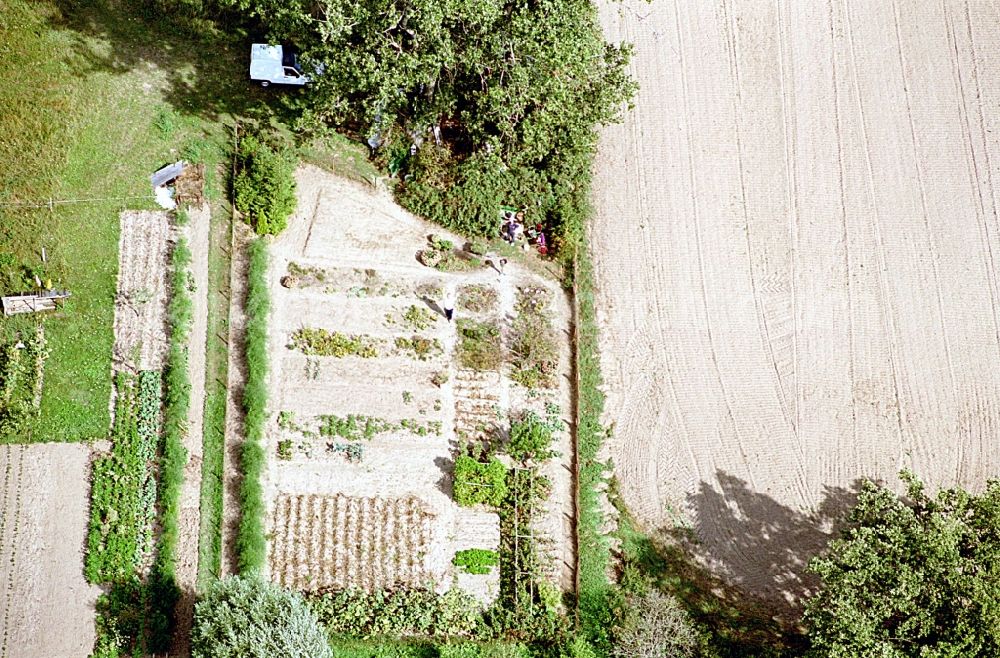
[250, 544]
[476, 560]
[251, 618]
[398, 613]
[530, 438]
[320, 342]
[265, 185]
[654, 624]
[480, 483]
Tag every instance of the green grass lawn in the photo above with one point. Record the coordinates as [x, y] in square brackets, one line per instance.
[93, 101]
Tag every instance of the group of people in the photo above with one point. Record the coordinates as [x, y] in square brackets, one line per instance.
[514, 231]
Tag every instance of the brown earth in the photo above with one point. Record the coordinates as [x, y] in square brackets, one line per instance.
[795, 252]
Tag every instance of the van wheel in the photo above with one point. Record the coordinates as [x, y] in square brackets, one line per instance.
[264, 83]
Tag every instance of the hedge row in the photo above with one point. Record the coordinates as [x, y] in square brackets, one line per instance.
[595, 592]
[250, 544]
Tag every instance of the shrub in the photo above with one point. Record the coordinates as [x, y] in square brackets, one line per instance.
[480, 483]
[530, 438]
[264, 185]
[654, 624]
[419, 347]
[476, 560]
[479, 345]
[251, 618]
[250, 544]
[396, 613]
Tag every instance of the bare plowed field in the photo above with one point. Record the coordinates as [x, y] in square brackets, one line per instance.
[46, 606]
[795, 253]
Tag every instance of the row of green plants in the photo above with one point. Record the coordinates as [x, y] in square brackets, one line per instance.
[479, 345]
[250, 542]
[122, 499]
[396, 613]
[594, 591]
[320, 342]
[264, 188]
[137, 442]
[22, 363]
[478, 561]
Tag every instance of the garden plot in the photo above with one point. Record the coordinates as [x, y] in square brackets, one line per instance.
[370, 400]
[46, 606]
[141, 300]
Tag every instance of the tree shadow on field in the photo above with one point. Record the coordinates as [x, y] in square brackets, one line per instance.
[205, 65]
[742, 568]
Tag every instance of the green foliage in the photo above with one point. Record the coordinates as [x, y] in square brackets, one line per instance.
[533, 348]
[250, 544]
[531, 436]
[251, 618]
[419, 318]
[22, 362]
[355, 427]
[396, 613]
[479, 345]
[521, 88]
[320, 342]
[264, 185]
[480, 483]
[484, 650]
[593, 603]
[285, 449]
[123, 491]
[911, 577]
[476, 560]
[420, 347]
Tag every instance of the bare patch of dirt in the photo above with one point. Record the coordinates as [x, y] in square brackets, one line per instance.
[141, 300]
[46, 606]
[795, 260]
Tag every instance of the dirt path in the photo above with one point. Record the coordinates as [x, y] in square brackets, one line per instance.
[196, 233]
[795, 258]
[242, 235]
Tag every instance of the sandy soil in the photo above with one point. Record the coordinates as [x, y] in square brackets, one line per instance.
[141, 302]
[795, 264]
[365, 247]
[47, 606]
[196, 232]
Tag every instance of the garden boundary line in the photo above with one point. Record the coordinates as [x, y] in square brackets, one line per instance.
[575, 361]
[57, 202]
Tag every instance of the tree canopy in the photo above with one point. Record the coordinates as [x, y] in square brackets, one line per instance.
[913, 576]
[514, 87]
[251, 618]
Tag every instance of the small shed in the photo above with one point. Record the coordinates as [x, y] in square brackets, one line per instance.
[167, 174]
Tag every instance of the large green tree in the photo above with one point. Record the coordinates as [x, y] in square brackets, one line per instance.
[911, 576]
[516, 88]
[251, 618]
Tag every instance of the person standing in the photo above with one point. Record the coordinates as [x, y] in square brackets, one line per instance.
[449, 302]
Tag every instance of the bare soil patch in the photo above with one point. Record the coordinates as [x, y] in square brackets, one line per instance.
[347, 264]
[141, 300]
[46, 606]
[795, 255]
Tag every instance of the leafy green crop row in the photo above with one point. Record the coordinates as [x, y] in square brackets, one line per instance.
[122, 496]
[476, 560]
[250, 544]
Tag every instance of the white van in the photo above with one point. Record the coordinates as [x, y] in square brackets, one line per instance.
[271, 65]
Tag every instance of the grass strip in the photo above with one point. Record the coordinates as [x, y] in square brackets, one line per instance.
[214, 423]
[250, 544]
[595, 592]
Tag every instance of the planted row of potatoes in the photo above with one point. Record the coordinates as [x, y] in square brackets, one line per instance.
[344, 541]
